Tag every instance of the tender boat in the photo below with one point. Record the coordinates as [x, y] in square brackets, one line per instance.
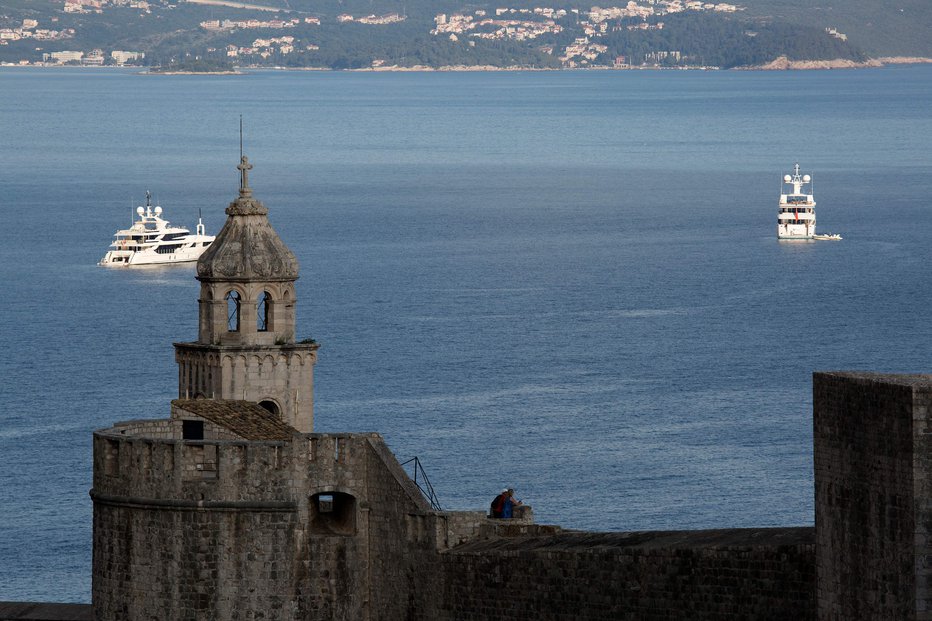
[154, 241]
[796, 218]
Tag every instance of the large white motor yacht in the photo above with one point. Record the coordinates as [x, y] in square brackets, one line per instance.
[796, 218]
[154, 241]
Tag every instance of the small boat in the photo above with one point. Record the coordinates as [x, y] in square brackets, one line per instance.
[152, 240]
[796, 218]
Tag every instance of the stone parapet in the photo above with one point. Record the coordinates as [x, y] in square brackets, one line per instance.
[722, 574]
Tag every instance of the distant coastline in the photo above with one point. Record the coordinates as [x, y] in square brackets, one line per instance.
[779, 64]
[233, 72]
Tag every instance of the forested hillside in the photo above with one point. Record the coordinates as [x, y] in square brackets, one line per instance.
[343, 34]
[879, 27]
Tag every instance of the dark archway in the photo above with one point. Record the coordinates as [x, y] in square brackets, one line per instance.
[272, 407]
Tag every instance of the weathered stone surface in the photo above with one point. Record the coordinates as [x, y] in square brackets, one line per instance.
[873, 461]
[247, 248]
[234, 529]
[224, 528]
[722, 574]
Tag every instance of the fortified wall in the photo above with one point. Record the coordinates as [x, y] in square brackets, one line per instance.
[254, 517]
[222, 511]
[329, 526]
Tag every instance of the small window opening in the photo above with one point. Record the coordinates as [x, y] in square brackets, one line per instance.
[333, 513]
[262, 312]
[192, 430]
[233, 300]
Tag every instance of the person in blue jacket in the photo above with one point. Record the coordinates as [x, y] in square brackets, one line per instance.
[510, 503]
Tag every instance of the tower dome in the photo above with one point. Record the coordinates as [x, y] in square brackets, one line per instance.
[247, 248]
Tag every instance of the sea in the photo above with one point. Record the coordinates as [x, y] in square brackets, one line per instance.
[568, 282]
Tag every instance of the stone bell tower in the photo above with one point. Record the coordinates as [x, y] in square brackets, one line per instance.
[246, 345]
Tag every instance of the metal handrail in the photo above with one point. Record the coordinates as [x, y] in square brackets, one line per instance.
[427, 489]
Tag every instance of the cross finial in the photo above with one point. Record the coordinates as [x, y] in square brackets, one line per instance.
[244, 168]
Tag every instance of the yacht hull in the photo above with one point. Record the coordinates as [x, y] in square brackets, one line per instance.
[129, 258]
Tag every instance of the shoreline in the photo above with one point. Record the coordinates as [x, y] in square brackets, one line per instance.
[781, 63]
[232, 72]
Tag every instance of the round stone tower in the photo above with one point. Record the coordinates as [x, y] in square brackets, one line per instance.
[246, 345]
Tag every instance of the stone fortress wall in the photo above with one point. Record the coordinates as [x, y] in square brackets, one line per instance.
[177, 538]
[722, 574]
[222, 528]
[873, 495]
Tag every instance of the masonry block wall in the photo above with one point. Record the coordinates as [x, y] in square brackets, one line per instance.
[329, 526]
[873, 495]
[176, 540]
[319, 527]
[726, 574]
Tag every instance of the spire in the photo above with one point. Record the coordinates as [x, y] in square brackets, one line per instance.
[244, 165]
[247, 248]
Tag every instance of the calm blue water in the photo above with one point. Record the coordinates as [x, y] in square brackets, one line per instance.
[563, 282]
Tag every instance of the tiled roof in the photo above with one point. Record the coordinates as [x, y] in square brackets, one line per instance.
[246, 419]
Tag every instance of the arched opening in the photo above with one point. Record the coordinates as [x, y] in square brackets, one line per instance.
[271, 406]
[333, 513]
[262, 312]
[233, 302]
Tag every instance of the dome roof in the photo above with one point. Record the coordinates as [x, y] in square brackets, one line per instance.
[247, 248]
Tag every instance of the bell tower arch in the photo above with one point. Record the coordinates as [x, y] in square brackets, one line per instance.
[246, 346]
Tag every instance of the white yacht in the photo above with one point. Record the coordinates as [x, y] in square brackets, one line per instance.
[154, 241]
[796, 218]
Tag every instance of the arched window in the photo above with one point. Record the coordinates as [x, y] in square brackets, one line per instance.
[233, 299]
[262, 312]
[271, 406]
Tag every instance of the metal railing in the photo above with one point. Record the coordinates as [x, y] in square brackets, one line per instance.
[424, 484]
